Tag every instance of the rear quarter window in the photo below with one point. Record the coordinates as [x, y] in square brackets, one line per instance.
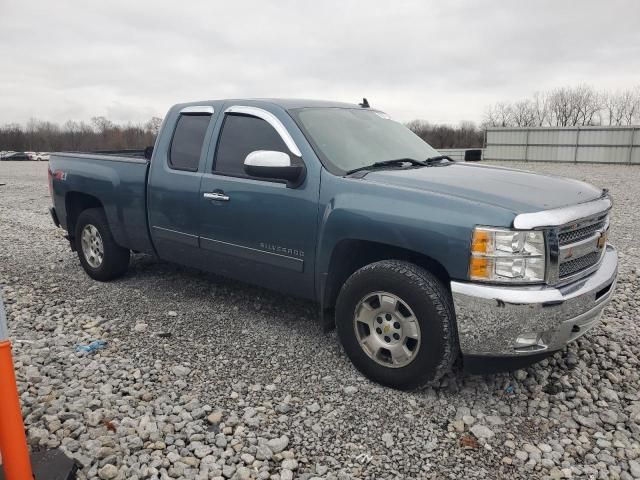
[187, 141]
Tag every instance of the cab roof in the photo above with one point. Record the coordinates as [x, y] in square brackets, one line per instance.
[284, 103]
[291, 103]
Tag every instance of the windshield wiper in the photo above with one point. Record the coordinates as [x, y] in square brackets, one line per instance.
[388, 163]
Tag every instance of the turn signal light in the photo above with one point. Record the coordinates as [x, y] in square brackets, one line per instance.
[480, 241]
[479, 267]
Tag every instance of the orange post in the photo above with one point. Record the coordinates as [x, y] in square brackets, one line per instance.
[13, 442]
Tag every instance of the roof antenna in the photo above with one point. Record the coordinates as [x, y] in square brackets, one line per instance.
[364, 104]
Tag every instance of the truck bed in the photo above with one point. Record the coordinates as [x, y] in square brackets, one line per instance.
[114, 180]
[111, 155]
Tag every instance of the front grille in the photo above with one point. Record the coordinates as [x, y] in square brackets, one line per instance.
[572, 236]
[578, 264]
[581, 256]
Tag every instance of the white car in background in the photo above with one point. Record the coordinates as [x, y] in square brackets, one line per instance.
[42, 156]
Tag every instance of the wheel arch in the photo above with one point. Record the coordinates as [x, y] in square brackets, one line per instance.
[350, 255]
[75, 203]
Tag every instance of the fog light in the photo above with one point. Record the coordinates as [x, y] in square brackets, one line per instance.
[528, 339]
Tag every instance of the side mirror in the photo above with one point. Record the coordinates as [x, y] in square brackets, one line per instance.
[275, 165]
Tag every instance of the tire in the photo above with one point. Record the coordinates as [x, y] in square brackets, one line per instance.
[114, 260]
[423, 302]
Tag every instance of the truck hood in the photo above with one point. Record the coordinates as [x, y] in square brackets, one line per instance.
[516, 190]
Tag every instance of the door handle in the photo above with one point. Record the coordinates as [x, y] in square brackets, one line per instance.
[221, 197]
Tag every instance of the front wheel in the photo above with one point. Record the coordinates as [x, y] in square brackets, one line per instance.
[396, 323]
[101, 257]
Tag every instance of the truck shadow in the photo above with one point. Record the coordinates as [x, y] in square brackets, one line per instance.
[153, 274]
[208, 294]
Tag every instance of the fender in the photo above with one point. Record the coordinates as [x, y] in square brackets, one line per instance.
[430, 224]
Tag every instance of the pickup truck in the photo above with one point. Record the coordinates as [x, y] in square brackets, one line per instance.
[416, 259]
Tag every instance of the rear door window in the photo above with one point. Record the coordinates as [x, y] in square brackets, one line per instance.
[187, 141]
[241, 135]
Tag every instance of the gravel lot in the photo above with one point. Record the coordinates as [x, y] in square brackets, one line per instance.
[202, 377]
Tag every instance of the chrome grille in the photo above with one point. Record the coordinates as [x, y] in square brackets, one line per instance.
[572, 236]
[571, 267]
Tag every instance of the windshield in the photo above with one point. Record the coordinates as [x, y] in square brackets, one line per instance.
[349, 138]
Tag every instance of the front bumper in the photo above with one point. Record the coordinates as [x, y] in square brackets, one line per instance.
[529, 321]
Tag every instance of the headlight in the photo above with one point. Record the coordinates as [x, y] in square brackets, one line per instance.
[512, 256]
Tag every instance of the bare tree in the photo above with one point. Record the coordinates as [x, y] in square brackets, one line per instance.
[632, 115]
[154, 125]
[622, 107]
[102, 124]
[565, 107]
[72, 134]
[541, 109]
[588, 104]
[523, 114]
[561, 106]
[500, 115]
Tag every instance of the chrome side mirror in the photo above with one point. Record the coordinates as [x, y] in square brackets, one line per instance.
[274, 165]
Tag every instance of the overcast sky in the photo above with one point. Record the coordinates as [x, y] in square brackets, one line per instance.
[441, 61]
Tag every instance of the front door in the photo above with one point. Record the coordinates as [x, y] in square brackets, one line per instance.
[253, 229]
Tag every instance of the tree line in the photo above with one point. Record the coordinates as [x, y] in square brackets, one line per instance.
[99, 134]
[581, 105]
[465, 135]
[103, 134]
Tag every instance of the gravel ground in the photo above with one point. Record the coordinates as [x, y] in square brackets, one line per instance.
[202, 377]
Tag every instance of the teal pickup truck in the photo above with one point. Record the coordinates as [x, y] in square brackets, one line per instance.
[416, 259]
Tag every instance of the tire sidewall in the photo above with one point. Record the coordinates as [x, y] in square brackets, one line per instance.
[111, 257]
[432, 350]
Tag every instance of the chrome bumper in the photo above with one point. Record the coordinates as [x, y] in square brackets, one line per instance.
[526, 320]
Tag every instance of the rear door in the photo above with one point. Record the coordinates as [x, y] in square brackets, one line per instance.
[253, 229]
[174, 184]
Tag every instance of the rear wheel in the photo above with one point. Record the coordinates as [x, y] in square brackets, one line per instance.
[396, 323]
[99, 254]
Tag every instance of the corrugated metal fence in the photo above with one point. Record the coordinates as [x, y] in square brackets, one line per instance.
[564, 144]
